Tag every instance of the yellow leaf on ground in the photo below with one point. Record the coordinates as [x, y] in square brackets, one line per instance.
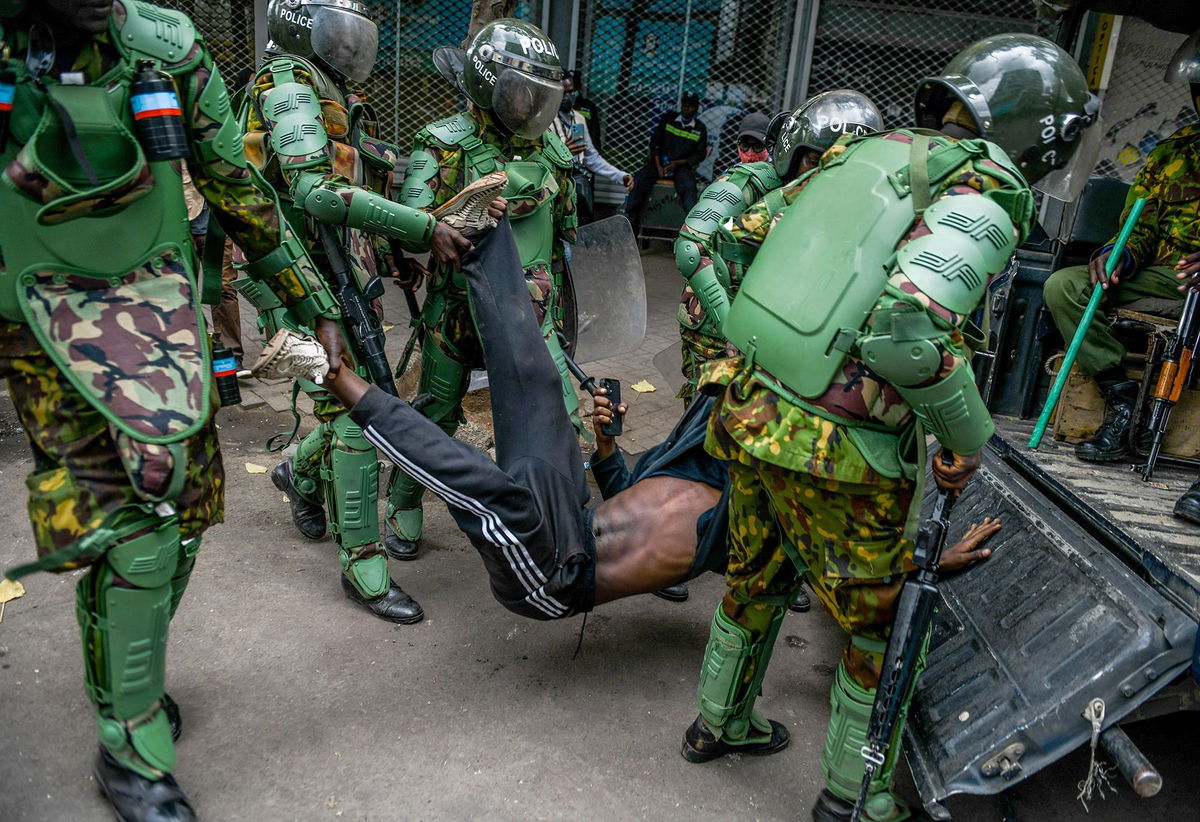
[255, 468]
[388, 328]
[10, 589]
[643, 387]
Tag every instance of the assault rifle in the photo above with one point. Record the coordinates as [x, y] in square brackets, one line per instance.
[1173, 375]
[914, 613]
[360, 321]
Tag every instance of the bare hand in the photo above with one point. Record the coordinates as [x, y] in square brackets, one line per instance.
[497, 208]
[627, 181]
[575, 145]
[966, 552]
[329, 335]
[411, 276]
[955, 475]
[447, 244]
[1096, 270]
[602, 414]
[1188, 269]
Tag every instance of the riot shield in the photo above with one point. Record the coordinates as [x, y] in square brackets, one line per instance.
[609, 289]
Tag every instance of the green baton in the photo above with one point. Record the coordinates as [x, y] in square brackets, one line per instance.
[1110, 265]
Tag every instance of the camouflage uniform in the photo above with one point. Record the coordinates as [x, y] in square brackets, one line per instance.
[110, 374]
[354, 160]
[448, 155]
[1168, 229]
[833, 476]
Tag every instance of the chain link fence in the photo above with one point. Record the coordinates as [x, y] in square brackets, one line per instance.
[884, 49]
[228, 29]
[405, 88]
[1140, 107]
[640, 56]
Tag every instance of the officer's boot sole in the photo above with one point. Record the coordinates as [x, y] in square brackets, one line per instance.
[394, 606]
[135, 799]
[308, 517]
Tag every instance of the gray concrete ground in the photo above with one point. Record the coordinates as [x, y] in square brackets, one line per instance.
[299, 706]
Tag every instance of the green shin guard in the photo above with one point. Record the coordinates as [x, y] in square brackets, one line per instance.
[570, 398]
[726, 700]
[404, 513]
[842, 760]
[124, 606]
[183, 571]
[369, 575]
[351, 480]
[306, 464]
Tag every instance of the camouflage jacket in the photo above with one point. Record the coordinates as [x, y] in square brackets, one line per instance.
[1169, 226]
[354, 158]
[470, 156]
[827, 436]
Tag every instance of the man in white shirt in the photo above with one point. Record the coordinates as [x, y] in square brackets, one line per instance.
[571, 126]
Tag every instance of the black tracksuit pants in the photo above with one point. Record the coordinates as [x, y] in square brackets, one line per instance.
[525, 513]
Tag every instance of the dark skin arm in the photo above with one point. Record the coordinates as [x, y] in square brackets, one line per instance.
[953, 475]
[602, 414]
[966, 552]
[1096, 271]
[1188, 270]
[448, 245]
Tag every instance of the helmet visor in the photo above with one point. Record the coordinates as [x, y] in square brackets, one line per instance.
[1185, 64]
[525, 103]
[1066, 183]
[345, 40]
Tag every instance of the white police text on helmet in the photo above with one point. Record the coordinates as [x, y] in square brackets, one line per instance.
[296, 18]
[825, 122]
[536, 46]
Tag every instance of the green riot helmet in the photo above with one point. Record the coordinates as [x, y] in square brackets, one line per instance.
[1021, 92]
[337, 32]
[512, 70]
[819, 122]
[1185, 63]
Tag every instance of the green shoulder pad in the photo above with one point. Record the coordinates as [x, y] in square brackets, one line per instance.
[290, 100]
[150, 31]
[450, 131]
[718, 202]
[755, 179]
[226, 144]
[556, 150]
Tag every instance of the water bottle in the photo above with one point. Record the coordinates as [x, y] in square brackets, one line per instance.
[156, 114]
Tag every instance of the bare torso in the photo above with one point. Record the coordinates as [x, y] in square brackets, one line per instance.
[646, 535]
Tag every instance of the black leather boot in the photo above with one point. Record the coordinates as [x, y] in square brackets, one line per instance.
[673, 593]
[394, 606]
[1111, 443]
[308, 517]
[699, 744]
[135, 798]
[1188, 506]
[830, 808]
[397, 548]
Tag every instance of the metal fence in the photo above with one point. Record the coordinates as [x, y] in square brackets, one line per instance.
[405, 88]
[640, 56]
[228, 29]
[883, 49]
[1140, 108]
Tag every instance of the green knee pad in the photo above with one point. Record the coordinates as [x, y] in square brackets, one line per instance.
[445, 380]
[570, 398]
[124, 633]
[351, 480]
[842, 760]
[306, 464]
[369, 575]
[726, 702]
[404, 506]
[183, 571]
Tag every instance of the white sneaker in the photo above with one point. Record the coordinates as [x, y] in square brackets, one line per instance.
[467, 210]
[291, 355]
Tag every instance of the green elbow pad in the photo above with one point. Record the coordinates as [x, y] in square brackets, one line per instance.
[372, 213]
[952, 411]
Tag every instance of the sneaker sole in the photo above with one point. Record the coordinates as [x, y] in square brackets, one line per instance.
[475, 198]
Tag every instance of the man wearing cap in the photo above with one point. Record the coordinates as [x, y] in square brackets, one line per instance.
[678, 145]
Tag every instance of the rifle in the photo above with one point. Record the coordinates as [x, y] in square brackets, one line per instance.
[914, 613]
[361, 323]
[1173, 375]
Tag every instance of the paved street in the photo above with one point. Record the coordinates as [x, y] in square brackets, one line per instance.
[299, 706]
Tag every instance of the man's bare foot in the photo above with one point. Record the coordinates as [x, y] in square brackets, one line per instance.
[966, 552]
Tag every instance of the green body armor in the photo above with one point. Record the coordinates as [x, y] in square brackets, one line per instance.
[533, 230]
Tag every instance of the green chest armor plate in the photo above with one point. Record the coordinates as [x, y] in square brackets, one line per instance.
[102, 269]
[533, 229]
[823, 267]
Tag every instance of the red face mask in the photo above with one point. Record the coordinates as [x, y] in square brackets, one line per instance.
[746, 156]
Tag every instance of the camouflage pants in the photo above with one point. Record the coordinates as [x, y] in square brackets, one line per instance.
[698, 348]
[80, 471]
[840, 531]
